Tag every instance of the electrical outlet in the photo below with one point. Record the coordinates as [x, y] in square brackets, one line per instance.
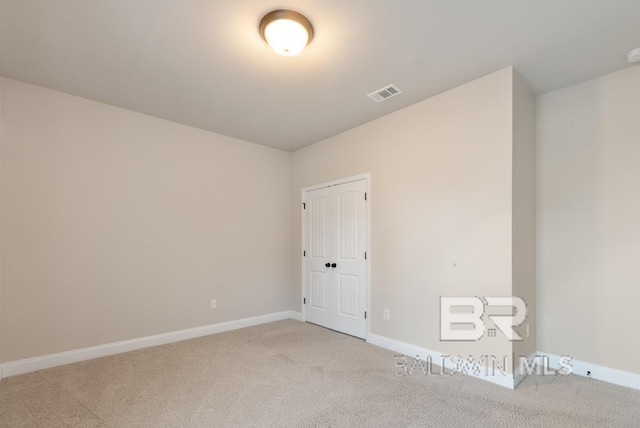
[386, 314]
[214, 304]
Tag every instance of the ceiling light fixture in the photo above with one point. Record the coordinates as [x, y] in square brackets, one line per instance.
[634, 55]
[286, 31]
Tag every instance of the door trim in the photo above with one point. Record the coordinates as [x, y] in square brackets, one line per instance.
[367, 179]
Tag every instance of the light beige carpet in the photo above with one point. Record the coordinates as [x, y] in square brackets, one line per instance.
[293, 374]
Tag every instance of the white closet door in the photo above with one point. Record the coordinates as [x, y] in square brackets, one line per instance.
[349, 244]
[318, 275]
[335, 264]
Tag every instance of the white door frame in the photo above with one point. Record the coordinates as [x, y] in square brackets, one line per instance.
[367, 179]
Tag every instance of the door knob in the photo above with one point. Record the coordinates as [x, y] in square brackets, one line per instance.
[327, 265]
[334, 265]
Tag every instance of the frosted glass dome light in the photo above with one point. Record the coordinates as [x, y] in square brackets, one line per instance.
[286, 31]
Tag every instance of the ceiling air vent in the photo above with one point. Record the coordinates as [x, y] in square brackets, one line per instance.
[385, 93]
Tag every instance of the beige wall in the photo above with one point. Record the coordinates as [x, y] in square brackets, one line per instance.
[588, 220]
[524, 211]
[117, 225]
[441, 201]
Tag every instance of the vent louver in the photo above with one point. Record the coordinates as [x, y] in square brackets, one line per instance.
[385, 93]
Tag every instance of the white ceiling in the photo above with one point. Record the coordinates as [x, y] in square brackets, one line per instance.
[203, 63]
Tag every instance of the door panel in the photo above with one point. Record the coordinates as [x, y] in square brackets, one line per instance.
[318, 294]
[318, 217]
[319, 290]
[335, 233]
[349, 232]
[348, 295]
[347, 224]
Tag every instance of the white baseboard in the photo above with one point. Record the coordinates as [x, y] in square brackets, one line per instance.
[505, 380]
[580, 368]
[521, 372]
[594, 371]
[29, 365]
